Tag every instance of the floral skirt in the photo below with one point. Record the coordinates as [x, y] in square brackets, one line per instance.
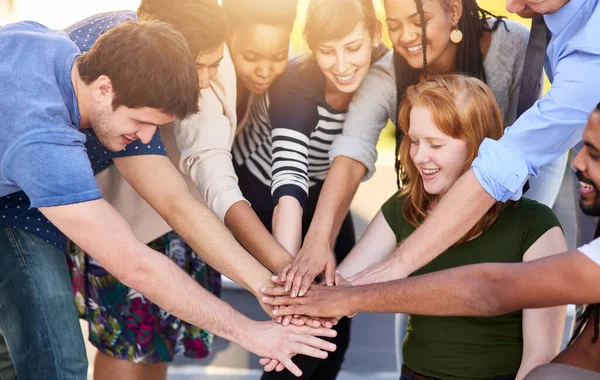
[125, 325]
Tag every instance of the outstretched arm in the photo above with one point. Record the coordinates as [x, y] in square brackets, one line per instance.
[472, 290]
[163, 187]
[99, 230]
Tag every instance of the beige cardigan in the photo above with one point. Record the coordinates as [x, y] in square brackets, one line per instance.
[200, 147]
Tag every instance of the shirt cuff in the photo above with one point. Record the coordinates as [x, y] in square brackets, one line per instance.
[227, 195]
[356, 149]
[592, 250]
[501, 171]
[291, 190]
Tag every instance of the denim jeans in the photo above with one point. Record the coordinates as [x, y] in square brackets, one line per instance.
[37, 312]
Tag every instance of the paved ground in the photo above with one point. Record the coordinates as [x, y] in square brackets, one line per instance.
[372, 350]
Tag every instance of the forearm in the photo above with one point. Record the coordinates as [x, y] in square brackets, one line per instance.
[287, 224]
[458, 211]
[337, 194]
[251, 233]
[211, 240]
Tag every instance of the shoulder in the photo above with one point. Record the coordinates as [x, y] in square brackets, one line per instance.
[301, 77]
[383, 69]
[509, 39]
[85, 32]
[533, 215]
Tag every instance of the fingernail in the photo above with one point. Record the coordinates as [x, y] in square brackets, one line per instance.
[333, 333]
[274, 278]
[287, 288]
[263, 289]
[265, 299]
[332, 347]
[294, 294]
[302, 292]
[330, 284]
[275, 312]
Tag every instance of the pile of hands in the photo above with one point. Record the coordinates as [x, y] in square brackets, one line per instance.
[302, 310]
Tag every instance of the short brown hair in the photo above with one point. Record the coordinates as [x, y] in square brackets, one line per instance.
[264, 12]
[328, 20]
[149, 65]
[201, 22]
[463, 108]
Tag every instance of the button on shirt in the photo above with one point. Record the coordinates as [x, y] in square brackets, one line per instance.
[555, 123]
[15, 209]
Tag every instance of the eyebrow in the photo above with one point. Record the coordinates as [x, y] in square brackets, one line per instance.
[218, 61]
[590, 145]
[145, 122]
[260, 55]
[411, 16]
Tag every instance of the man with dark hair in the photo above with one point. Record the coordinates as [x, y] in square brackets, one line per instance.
[51, 94]
[495, 288]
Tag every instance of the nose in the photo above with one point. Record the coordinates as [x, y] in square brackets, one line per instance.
[203, 78]
[579, 160]
[514, 6]
[341, 64]
[263, 70]
[422, 155]
[145, 134]
[408, 35]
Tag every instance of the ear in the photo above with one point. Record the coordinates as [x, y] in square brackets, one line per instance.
[456, 8]
[102, 90]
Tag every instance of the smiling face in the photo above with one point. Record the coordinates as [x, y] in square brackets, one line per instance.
[439, 158]
[405, 31]
[260, 54]
[533, 8]
[345, 62]
[587, 164]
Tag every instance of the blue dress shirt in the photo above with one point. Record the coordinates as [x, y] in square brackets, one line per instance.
[555, 123]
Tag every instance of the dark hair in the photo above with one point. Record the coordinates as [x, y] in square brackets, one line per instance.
[469, 60]
[201, 22]
[267, 12]
[598, 107]
[149, 65]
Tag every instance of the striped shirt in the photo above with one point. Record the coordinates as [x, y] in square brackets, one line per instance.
[286, 144]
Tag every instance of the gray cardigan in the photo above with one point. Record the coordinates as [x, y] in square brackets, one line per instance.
[375, 101]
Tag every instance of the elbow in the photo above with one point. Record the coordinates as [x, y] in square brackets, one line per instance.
[494, 296]
[135, 273]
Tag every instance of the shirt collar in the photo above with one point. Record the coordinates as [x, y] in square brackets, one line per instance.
[557, 21]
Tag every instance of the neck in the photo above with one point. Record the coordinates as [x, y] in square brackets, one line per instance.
[338, 100]
[445, 63]
[80, 93]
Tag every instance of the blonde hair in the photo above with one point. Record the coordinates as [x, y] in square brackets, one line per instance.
[328, 20]
[463, 108]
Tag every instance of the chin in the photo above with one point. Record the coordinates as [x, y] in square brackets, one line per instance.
[528, 14]
[592, 209]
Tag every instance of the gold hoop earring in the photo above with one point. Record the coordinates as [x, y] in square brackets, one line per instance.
[456, 35]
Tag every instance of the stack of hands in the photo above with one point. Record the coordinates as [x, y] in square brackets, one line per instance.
[296, 301]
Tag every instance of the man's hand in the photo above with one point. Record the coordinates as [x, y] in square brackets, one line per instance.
[281, 343]
[322, 301]
[312, 260]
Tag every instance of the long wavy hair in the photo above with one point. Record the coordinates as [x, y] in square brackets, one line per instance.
[462, 107]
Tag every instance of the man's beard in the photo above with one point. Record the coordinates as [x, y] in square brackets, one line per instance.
[100, 123]
[592, 209]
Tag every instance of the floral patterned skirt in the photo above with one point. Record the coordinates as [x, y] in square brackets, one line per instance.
[125, 325]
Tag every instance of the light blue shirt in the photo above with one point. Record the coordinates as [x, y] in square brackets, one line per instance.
[555, 123]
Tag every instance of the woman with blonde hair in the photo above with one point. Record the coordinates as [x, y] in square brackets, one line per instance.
[282, 158]
[444, 120]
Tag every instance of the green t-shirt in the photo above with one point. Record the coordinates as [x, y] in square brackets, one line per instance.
[457, 348]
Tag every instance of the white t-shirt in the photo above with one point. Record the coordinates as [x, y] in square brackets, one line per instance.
[592, 250]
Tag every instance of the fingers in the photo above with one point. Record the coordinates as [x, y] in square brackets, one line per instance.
[277, 281]
[280, 367]
[330, 273]
[321, 331]
[275, 291]
[317, 343]
[305, 284]
[293, 320]
[298, 281]
[289, 278]
[310, 351]
[284, 272]
[281, 301]
[289, 364]
[269, 364]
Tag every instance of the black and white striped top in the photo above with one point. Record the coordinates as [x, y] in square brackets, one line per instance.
[286, 144]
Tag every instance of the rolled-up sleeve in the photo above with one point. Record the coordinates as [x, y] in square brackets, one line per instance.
[371, 107]
[552, 126]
